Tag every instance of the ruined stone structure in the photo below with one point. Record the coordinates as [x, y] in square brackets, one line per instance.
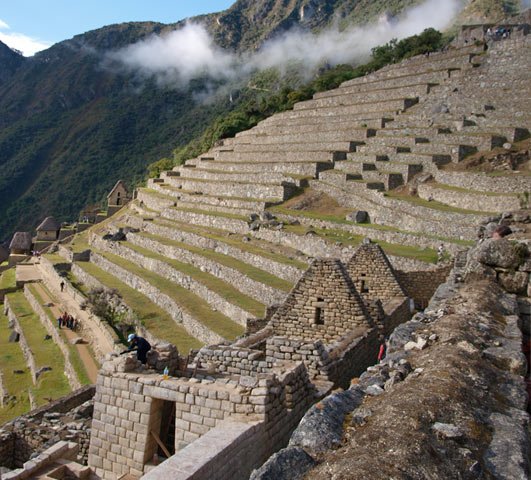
[117, 197]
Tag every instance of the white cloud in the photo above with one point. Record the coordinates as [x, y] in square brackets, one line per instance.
[27, 45]
[178, 57]
[23, 43]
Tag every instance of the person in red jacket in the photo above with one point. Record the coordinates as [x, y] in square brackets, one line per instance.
[383, 348]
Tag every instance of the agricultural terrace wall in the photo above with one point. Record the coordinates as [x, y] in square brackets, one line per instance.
[281, 270]
[385, 211]
[128, 408]
[26, 350]
[483, 182]
[165, 270]
[472, 201]
[257, 290]
[194, 327]
[207, 220]
[70, 372]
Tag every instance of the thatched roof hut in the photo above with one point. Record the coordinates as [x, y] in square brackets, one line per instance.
[21, 243]
[49, 224]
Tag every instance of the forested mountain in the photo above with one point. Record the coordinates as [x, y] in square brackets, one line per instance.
[70, 126]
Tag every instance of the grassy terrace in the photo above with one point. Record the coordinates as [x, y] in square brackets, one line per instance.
[75, 359]
[452, 188]
[154, 318]
[191, 303]
[7, 280]
[428, 255]
[210, 213]
[213, 283]
[369, 226]
[52, 384]
[55, 258]
[252, 272]
[235, 241]
[191, 192]
[434, 205]
[17, 385]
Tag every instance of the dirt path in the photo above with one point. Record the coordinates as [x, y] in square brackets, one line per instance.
[82, 348]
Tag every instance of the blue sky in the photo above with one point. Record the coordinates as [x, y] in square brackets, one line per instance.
[32, 25]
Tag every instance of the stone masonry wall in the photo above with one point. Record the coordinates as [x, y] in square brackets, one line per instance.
[421, 285]
[480, 181]
[323, 305]
[26, 350]
[257, 290]
[287, 272]
[220, 222]
[128, 405]
[194, 327]
[232, 360]
[165, 270]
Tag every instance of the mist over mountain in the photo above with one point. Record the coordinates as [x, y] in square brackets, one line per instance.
[99, 107]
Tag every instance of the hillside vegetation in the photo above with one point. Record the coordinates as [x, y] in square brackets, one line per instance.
[70, 128]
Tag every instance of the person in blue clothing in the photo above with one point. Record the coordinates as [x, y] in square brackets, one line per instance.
[140, 345]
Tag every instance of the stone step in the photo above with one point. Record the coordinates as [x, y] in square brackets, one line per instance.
[219, 294]
[424, 153]
[435, 76]
[335, 176]
[309, 169]
[313, 136]
[390, 180]
[186, 308]
[378, 95]
[339, 146]
[287, 156]
[231, 189]
[397, 141]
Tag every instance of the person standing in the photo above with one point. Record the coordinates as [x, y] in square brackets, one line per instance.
[140, 344]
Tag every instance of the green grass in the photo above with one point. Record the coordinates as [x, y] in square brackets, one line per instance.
[369, 226]
[8, 280]
[80, 242]
[434, 205]
[55, 258]
[11, 358]
[191, 303]
[427, 255]
[452, 188]
[52, 384]
[252, 272]
[77, 284]
[235, 241]
[75, 359]
[213, 283]
[154, 318]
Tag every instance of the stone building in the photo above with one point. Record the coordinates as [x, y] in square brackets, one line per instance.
[48, 230]
[20, 247]
[117, 197]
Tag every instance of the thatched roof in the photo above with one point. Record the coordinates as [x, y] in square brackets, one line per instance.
[118, 183]
[21, 241]
[49, 224]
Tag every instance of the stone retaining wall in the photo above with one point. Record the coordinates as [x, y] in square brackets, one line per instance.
[257, 290]
[220, 222]
[233, 360]
[165, 270]
[281, 270]
[26, 350]
[481, 181]
[194, 327]
[71, 256]
[472, 201]
[70, 373]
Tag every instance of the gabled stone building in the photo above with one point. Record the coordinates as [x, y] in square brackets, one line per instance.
[117, 197]
[48, 230]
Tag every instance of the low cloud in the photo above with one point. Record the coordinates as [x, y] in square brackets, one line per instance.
[178, 57]
[25, 44]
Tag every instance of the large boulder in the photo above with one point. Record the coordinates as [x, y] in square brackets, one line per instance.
[499, 253]
[290, 463]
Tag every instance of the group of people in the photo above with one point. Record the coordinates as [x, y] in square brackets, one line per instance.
[68, 321]
[498, 33]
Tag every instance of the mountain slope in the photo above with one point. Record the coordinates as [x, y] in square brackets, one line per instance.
[70, 128]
